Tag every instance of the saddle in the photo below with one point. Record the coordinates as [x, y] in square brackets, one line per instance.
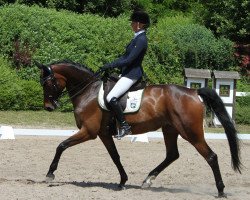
[130, 101]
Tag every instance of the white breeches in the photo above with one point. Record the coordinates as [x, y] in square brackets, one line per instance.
[122, 85]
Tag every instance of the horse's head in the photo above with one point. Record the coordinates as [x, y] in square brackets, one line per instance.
[53, 85]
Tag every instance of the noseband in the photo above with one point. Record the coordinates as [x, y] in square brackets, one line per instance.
[51, 77]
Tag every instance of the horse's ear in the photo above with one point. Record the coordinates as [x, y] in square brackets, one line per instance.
[39, 65]
[46, 71]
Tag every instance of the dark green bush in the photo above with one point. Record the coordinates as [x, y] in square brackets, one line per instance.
[243, 101]
[112, 8]
[195, 45]
[200, 49]
[15, 93]
[228, 18]
[46, 35]
[52, 35]
[243, 85]
[31, 97]
[9, 89]
[177, 43]
[243, 110]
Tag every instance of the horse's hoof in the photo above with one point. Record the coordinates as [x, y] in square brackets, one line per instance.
[222, 195]
[121, 187]
[147, 182]
[146, 185]
[49, 178]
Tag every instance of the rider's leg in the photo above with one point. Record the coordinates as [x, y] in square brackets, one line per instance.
[122, 86]
[115, 106]
[118, 90]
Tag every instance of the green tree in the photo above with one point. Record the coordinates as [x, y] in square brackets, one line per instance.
[228, 18]
[102, 7]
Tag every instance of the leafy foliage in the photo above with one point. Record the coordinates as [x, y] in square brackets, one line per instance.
[47, 35]
[243, 110]
[228, 18]
[178, 43]
[17, 94]
[102, 7]
[52, 35]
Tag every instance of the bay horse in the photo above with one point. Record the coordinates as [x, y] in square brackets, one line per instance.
[175, 109]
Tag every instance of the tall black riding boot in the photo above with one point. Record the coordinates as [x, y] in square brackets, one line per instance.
[124, 129]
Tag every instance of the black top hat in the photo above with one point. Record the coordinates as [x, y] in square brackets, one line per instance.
[140, 16]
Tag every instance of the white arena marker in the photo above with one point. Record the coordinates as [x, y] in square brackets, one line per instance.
[140, 138]
[7, 132]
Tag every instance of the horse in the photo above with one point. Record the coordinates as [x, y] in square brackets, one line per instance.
[177, 110]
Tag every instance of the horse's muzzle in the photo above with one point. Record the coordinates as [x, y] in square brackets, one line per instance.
[49, 109]
[49, 106]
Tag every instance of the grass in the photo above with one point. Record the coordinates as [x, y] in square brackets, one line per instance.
[38, 119]
[241, 128]
[64, 120]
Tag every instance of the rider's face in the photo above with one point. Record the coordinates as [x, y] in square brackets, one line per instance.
[135, 26]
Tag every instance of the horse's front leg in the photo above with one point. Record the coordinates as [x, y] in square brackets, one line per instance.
[110, 146]
[81, 136]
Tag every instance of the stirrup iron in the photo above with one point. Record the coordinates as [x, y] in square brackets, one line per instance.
[123, 131]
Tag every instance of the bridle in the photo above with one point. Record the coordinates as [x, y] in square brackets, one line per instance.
[51, 77]
[56, 88]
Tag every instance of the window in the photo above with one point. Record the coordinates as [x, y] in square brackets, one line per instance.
[195, 85]
[225, 90]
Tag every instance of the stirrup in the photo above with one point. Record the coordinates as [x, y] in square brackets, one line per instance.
[123, 131]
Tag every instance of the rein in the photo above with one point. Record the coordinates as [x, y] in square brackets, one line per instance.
[78, 92]
[55, 85]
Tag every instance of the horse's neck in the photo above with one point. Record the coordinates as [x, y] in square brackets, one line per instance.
[77, 80]
[73, 75]
[86, 95]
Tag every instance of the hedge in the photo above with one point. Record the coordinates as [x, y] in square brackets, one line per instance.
[243, 110]
[18, 94]
[34, 33]
[52, 35]
[46, 35]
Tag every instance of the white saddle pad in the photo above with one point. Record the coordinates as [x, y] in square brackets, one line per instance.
[133, 100]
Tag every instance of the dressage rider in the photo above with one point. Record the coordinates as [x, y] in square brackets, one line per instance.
[130, 64]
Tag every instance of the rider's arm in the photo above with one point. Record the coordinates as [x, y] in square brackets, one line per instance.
[138, 48]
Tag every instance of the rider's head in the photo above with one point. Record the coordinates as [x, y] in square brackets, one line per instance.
[139, 20]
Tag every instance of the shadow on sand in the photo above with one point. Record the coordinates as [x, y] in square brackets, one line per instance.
[104, 185]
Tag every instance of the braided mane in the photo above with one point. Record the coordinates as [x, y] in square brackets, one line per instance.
[73, 64]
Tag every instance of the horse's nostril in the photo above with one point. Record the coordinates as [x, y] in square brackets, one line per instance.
[49, 108]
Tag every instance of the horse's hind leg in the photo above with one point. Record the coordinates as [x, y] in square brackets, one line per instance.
[170, 135]
[212, 160]
[79, 137]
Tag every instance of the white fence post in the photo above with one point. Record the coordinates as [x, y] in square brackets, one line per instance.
[7, 132]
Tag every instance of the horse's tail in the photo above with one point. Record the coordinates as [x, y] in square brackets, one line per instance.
[214, 102]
